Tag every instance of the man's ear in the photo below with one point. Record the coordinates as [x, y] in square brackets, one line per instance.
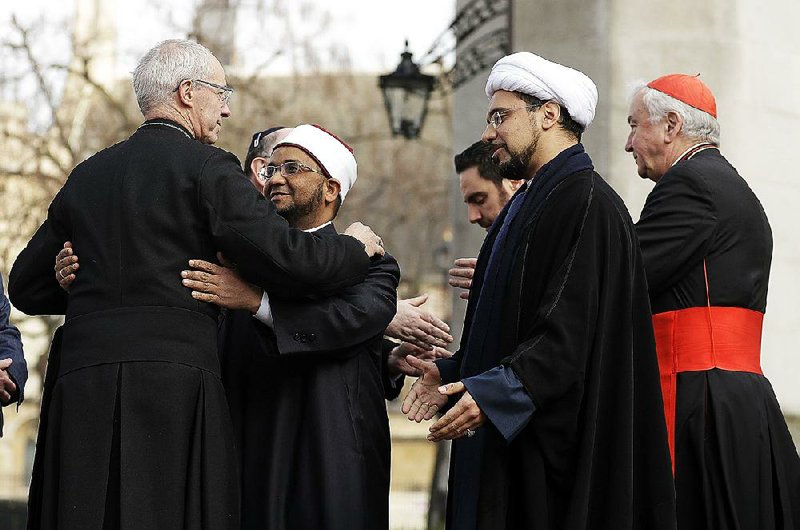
[186, 93]
[256, 165]
[551, 112]
[332, 190]
[673, 124]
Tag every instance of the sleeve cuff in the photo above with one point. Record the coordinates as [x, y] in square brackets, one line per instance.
[500, 395]
[264, 313]
[448, 370]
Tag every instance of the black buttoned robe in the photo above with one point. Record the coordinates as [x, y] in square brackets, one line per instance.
[735, 463]
[138, 433]
[308, 409]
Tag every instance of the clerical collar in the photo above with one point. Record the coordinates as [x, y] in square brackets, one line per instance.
[318, 227]
[166, 123]
[693, 150]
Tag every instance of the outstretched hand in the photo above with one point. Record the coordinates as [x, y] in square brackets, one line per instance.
[424, 399]
[414, 325]
[398, 358]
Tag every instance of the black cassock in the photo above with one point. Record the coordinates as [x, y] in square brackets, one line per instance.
[136, 431]
[307, 402]
[562, 361]
[735, 463]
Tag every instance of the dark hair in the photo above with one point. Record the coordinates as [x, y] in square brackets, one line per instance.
[569, 125]
[479, 154]
[258, 146]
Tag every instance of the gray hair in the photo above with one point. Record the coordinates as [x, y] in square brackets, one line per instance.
[165, 66]
[697, 124]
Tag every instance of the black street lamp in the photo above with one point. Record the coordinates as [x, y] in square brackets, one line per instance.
[406, 92]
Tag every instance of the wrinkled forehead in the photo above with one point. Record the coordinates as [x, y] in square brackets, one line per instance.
[636, 108]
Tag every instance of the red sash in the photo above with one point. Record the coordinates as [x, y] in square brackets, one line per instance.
[702, 338]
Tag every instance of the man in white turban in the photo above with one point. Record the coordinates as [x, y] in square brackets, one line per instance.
[305, 379]
[552, 399]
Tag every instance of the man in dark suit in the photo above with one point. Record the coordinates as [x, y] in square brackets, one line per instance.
[13, 370]
[304, 377]
[139, 431]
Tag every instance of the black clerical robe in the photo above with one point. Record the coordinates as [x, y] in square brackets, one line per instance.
[735, 463]
[561, 358]
[138, 430]
[307, 402]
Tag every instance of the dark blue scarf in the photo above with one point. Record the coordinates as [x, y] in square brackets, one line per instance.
[500, 250]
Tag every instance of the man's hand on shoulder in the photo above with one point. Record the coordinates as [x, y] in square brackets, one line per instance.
[221, 285]
[373, 245]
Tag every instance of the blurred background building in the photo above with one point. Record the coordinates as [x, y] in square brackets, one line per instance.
[63, 98]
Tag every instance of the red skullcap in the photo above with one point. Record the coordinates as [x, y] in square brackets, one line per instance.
[688, 89]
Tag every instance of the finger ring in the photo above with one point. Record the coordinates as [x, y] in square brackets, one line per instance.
[61, 273]
[470, 433]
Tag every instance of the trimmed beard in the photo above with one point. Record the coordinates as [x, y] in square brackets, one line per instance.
[517, 165]
[294, 213]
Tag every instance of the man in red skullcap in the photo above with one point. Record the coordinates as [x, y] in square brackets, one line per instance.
[707, 247]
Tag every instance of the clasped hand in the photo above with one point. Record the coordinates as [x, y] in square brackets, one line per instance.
[427, 396]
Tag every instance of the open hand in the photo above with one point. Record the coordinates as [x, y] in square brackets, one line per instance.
[424, 398]
[398, 362]
[416, 326]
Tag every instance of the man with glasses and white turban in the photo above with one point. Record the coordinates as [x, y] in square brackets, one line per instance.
[552, 398]
[305, 377]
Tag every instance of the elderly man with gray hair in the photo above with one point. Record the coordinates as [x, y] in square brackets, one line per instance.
[137, 433]
[707, 248]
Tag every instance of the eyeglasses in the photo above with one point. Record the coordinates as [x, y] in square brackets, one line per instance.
[288, 169]
[223, 92]
[497, 117]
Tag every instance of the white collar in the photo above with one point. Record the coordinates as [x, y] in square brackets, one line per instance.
[318, 227]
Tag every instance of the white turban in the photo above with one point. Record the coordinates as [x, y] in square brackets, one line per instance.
[333, 155]
[530, 74]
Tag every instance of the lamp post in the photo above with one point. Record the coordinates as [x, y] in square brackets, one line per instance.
[406, 92]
